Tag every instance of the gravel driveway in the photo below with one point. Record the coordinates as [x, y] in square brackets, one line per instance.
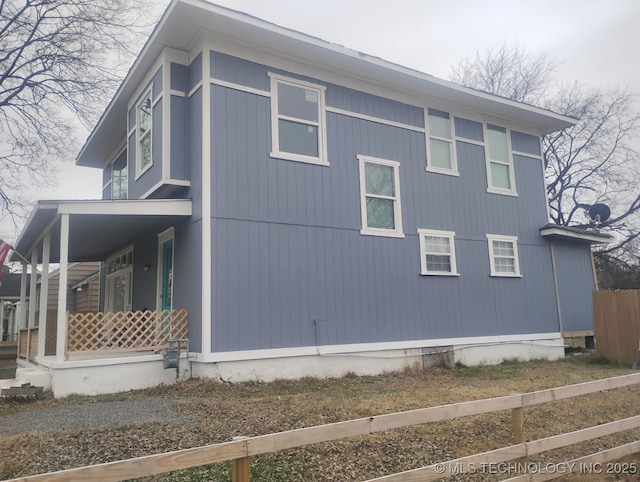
[94, 414]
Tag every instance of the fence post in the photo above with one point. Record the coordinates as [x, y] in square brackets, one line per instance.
[517, 416]
[240, 467]
[240, 470]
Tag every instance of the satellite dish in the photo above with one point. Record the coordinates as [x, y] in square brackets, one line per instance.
[599, 213]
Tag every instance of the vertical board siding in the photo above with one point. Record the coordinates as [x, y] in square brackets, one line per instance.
[179, 77]
[525, 143]
[179, 165]
[575, 285]
[617, 325]
[291, 267]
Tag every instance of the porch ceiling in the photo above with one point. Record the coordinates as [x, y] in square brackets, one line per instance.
[97, 228]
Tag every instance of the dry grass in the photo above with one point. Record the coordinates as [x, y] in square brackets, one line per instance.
[219, 412]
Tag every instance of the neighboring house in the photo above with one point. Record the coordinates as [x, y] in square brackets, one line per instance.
[317, 211]
[10, 306]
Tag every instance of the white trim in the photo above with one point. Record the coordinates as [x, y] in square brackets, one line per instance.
[320, 124]
[151, 207]
[453, 170]
[163, 182]
[514, 242]
[450, 235]
[239, 87]
[568, 233]
[397, 206]
[44, 293]
[512, 191]
[177, 93]
[525, 154]
[208, 357]
[32, 287]
[195, 88]
[377, 120]
[470, 141]
[207, 257]
[167, 124]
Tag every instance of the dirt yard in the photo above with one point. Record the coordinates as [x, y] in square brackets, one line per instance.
[47, 435]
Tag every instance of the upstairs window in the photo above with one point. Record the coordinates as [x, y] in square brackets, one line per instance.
[297, 121]
[437, 252]
[499, 162]
[119, 178]
[144, 116]
[380, 197]
[441, 147]
[503, 255]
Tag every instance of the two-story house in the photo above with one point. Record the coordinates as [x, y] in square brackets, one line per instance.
[315, 210]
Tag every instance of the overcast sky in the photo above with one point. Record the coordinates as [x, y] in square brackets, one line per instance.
[595, 41]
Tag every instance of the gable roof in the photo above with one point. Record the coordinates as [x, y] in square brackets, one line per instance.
[184, 19]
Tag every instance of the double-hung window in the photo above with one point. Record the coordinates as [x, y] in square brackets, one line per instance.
[437, 252]
[500, 176]
[144, 117]
[119, 292]
[380, 197]
[119, 178]
[298, 120]
[441, 155]
[503, 255]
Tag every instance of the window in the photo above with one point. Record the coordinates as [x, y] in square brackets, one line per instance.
[499, 165]
[119, 178]
[380, 197]
[437, 252]
[297, 121]
[119, 292]
[503, 255]
[441, 148]
[144, 115]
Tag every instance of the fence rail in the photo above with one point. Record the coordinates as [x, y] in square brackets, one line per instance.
[240, 451]
[617, 325]
[125, 330]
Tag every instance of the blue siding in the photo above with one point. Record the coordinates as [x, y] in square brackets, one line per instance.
[292, 269]
[575, 285]
[179, 165]
[187, 287]
[239, 71]
[157, 84]
[179, 77]
[195, 72]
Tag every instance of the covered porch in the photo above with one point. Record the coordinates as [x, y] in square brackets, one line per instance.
[65, 232]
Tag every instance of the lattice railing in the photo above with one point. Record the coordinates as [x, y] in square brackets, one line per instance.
[125, 330]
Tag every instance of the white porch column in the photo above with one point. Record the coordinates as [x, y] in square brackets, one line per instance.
[22, 310]
[32, 288]
[44, 294]
[61, 339]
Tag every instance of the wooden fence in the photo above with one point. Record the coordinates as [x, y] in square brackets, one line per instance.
[240, 451]
[617, 325]
[125, 330]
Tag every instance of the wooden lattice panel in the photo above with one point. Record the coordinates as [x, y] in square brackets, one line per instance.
[125, 330]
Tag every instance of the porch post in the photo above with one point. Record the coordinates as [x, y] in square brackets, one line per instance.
[44, 294]
[22, 312]
[61, 339]
[32, 288]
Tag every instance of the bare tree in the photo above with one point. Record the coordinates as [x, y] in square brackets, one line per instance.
[593, 162]
[60, 62]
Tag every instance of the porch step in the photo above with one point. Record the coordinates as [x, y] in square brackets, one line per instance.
[34, 376]
[22, 390]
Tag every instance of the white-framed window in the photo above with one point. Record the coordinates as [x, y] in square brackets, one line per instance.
[441, 147]
[380, 197]
[298, 130]
[437, 252]
[119, 178]
[500, 175]
[144, 121]
[503, 255]
[119, 286]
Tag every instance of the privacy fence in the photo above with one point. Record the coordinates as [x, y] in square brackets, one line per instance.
[617, 325]
[241, 451]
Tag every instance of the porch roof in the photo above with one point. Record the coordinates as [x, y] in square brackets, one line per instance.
[96, 227]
